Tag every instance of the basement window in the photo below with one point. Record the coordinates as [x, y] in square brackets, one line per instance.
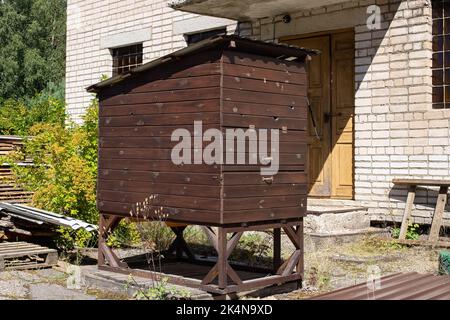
[441, 54]
[126, 58]
[199, 36]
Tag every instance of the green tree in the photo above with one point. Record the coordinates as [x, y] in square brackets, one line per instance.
[32, 46]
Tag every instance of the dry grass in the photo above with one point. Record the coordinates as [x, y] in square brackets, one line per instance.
[325, 272]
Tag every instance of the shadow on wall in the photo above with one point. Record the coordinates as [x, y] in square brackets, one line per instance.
[425, 197]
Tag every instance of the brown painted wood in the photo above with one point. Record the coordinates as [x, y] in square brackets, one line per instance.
[209, 179]
[235, 70]
[438, 214]
[276, 249]
[253, 60]
[255, 215]
[263, 202]
[180, 83]
[234, 95]
[263, 109]
[232, 179]
[263, 122]
[155, 165]
[161, 200]
[162, 188]
[407, 212]
[291, 263]
[246, 84]
[301, 239]
[159, 119]
[259, 190]
[174, 214]
[241, 87]
[163, 96]
[161, 108]
[233, 275]
[290, 232]
[138, 116]
[222, 264]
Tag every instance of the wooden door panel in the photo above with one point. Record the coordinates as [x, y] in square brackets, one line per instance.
[343, 97]
[319, 148]
[331, 95]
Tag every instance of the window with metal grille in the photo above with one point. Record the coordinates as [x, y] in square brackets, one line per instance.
[441, 53]
[196, 37]
[126, 58]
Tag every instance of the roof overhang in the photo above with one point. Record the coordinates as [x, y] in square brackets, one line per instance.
[246, 10]
[281, 51]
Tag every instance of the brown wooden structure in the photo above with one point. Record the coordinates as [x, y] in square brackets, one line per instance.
[225, 82]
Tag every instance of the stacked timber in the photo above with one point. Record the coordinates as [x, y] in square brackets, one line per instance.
[9, 190]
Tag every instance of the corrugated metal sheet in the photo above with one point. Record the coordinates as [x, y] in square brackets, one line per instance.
[399, 286]
[44, 217]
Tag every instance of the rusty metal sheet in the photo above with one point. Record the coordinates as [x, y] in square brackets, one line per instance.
[398, 286]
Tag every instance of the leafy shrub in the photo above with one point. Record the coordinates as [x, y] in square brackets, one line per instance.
[125, 235]
[63, 177]
[252, 247]
[411, 234]
[17, 117]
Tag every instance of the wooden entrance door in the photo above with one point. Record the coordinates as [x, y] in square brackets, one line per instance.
[331, 95]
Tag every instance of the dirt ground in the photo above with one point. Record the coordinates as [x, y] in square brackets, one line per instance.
[326, 269]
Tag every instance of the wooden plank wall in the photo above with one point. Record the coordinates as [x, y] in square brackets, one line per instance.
[135, 147]
[265, 93]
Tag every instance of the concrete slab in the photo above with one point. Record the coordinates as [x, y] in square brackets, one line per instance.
[13, 289]
[45, 291]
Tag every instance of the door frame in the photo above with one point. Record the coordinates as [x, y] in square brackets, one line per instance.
[330, 33]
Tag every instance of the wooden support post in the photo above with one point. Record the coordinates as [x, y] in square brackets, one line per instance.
[179, 245]
[107, 224]
[276, 249]
[438, 214]
[408, 211]
[222, 258]
[301, 260]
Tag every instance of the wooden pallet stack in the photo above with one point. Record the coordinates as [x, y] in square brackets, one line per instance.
[9, 190]
[23, 255]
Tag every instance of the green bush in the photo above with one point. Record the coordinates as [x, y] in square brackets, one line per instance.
[63, 177]
[411, 234]
[17, 117]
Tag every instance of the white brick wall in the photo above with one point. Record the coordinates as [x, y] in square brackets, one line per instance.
[397, 134]
[88, 21]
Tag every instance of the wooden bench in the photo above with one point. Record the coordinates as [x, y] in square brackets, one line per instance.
[412, 185]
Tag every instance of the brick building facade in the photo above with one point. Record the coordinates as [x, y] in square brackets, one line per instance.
[398, 128]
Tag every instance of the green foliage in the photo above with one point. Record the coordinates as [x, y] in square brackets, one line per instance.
[411, 234]
[32, 46]
[125, 235]
[17, 117]
[253, 247]
[159, 291]
[63, 177]
[155, 235]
